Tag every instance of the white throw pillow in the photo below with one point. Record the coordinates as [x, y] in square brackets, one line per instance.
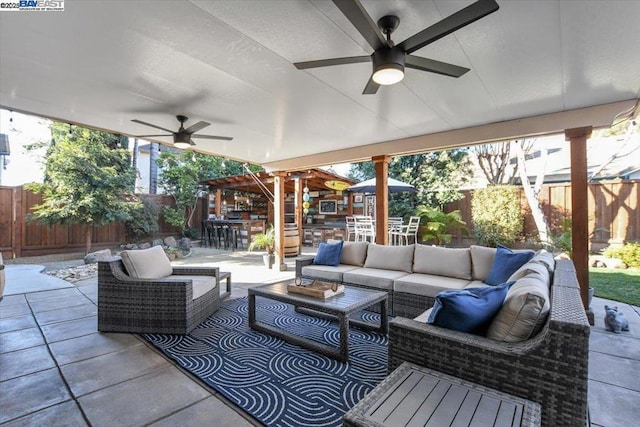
[150, 263]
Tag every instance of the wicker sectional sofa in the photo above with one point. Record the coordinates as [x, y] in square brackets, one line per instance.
[547, 363]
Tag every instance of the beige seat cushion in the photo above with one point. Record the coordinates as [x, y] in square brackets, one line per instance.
[440, 261]
[427, 284]
[150, 263]
[481, 261]
[424, 316]
[372, 277]
[524, 311]
[528, 268]
[354, 253]
[200, 284]
[327, 272]
[398, 258]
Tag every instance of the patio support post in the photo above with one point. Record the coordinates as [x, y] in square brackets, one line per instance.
[577, 138]
[381, 164]
[298, 209]
[218, 202]
[278, 217]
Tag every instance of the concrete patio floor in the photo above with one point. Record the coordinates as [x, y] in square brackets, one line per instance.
[56, 369]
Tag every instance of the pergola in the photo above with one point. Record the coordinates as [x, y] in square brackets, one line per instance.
[537, 68]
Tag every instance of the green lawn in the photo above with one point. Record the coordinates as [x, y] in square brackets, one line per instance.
[617, 285]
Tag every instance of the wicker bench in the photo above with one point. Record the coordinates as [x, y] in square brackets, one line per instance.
[550, 368]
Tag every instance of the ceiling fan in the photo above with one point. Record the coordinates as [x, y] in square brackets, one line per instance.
[389, 60]
[182, 138]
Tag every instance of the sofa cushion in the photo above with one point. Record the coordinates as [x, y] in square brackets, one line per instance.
[354, 253]
[372, 277]
[545, 258]
[328, 254]
[524, 311]
[398, 258]
[200, 284]
[505, 263]
[442, 261]
[150, 263]
[468, 310]
[424, 316]
[531, 267]
[325, 272]
[481, 261]
[427, 284]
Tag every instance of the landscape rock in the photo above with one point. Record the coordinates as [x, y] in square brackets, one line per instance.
[94, 257]
[615, 263]
[157, 242]
[145, 245]
[74, 274]
[171, 242]
[130, 246]
[185, 242]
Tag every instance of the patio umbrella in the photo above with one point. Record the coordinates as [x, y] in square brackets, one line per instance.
[369, 186]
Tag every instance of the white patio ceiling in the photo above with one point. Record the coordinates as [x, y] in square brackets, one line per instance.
[103, 63]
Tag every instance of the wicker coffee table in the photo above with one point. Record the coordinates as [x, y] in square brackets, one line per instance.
[339, 306]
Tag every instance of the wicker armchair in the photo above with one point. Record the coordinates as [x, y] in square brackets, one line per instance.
[164, 306]
[550, 368]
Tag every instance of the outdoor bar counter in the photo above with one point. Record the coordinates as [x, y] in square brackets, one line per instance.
[313, 234]
[244, 228]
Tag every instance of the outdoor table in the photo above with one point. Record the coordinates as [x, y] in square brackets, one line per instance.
[415, 395]
[339, 306]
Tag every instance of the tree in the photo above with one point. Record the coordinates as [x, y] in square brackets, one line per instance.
[180, 177]
[533, 191]
[495, 160]
[88, 180]
[436, 177]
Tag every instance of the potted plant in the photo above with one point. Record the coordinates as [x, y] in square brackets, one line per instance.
[267, 242]
[439, 226]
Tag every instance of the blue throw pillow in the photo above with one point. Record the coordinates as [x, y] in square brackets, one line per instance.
[328, 254]
[468, 310]
[505, 263]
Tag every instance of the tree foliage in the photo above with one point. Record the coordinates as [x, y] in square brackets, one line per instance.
[438, 226]
[88, 179]
[436, 177]
[497, 215]
[180, 177]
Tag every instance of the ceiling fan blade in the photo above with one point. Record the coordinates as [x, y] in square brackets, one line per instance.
[371, 88]
[433, 66]
[451, 23]
[223, 138]
[332, 61]
[150, 136]
[151, 125]
[360, 19]
[197, 126]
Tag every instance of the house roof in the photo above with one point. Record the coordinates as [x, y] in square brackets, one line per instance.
[536, 68]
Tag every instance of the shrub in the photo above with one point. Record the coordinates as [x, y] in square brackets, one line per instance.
[144, 219]
[497, 215]
[439, 226]
[629, 253]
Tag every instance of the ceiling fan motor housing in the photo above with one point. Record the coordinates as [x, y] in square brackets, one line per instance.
[387, 58]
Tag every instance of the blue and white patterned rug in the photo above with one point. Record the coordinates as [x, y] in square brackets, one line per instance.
[279, 384]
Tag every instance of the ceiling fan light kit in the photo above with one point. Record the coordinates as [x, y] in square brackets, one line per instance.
[182, 137]
[388, 66]
[389, 60]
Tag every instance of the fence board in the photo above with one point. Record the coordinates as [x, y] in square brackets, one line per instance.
[613, 208]
[30, 238]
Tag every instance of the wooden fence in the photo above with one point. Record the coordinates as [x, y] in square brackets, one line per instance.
[613, 207]
[20, 238]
